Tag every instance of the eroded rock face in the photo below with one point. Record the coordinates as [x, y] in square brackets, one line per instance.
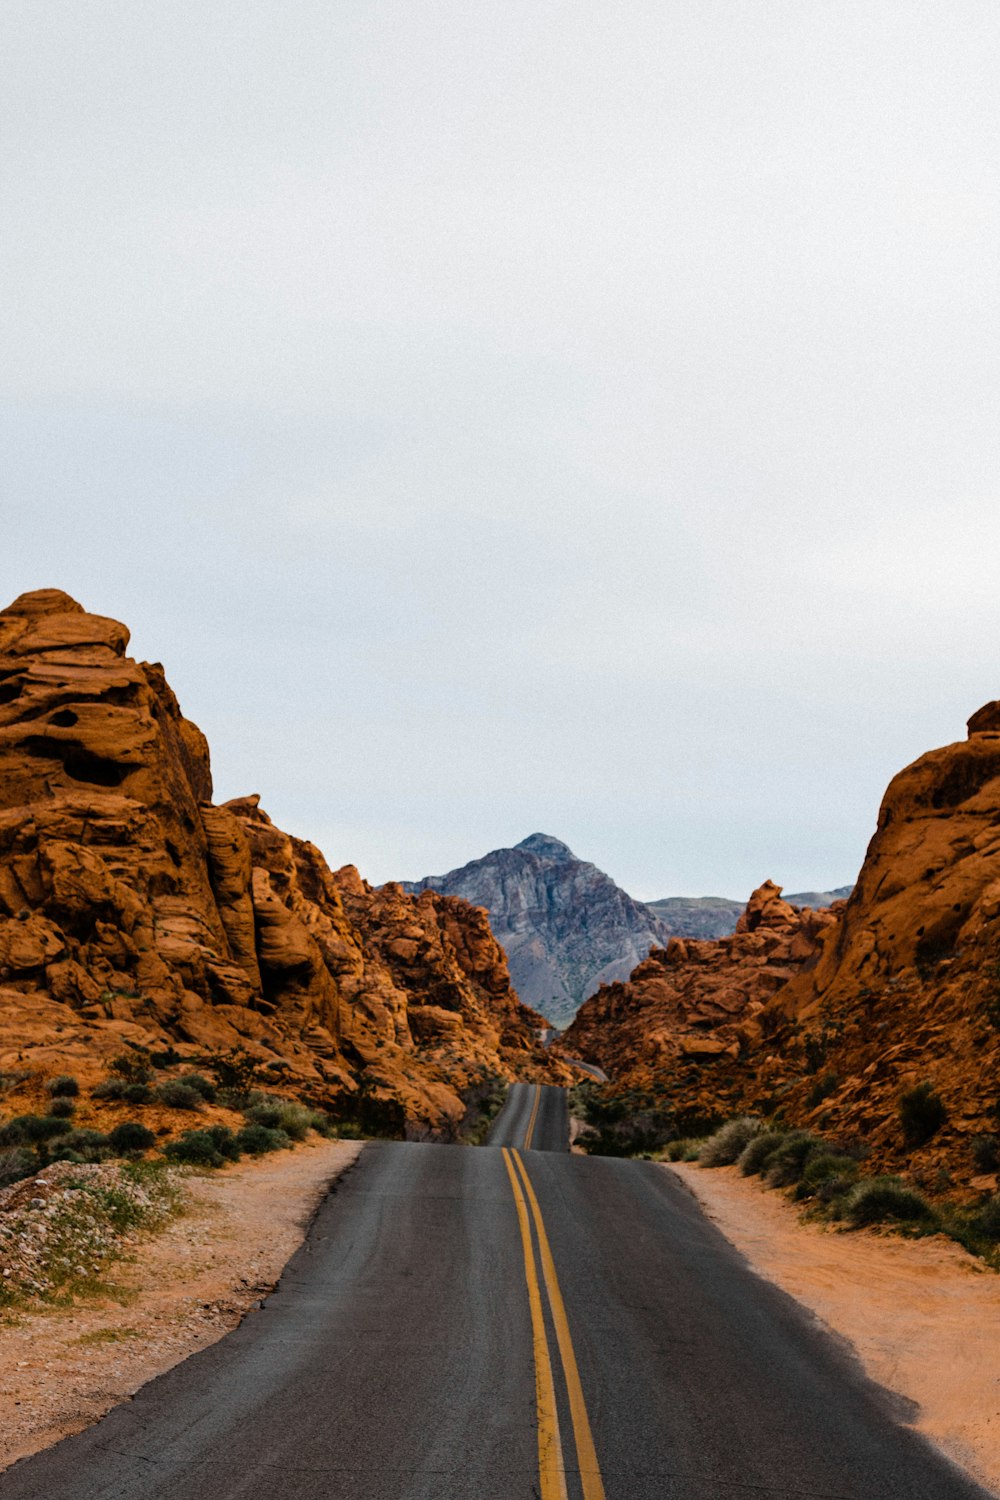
[565, 926]
[836, 1014]
[696, 1001]
[131, 906]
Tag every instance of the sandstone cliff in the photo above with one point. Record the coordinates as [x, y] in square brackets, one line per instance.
[897, 987]
[698, 1002]
[135, 911]
[565, 926]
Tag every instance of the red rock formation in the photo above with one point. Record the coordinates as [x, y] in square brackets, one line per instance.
[829, 1017]
[133, 909]
[697, 1001]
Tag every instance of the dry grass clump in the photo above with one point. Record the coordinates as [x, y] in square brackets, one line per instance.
[730, 1141]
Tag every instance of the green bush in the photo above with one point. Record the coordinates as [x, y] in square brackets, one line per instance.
[728, 1143]
[80, 1145]
[987, 1219]
[755, 1156]
[787, 1162]
[257, 1140]
[986, 1153]
[196, 1148]
[16, 1162]
[296, 1120]
[826, 1176]
[26, 1130]
[109, 1088]
[63, 1087]
[201, 1085]
[921, 1114]
[875, 1200]
[684, 1149]
[225, 1142]
[62, 1108]
[177, 1095]
[137, 1093]
[130, 1136]
[131, 1067]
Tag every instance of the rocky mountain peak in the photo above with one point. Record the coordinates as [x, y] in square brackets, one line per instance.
[546, 847]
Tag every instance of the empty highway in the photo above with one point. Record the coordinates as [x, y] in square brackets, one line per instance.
[501, 1323]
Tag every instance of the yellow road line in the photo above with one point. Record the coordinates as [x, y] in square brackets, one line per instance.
[590, 1473]
[534, 1116]
[551, 1468]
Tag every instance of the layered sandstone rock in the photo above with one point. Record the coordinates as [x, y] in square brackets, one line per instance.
[698, 1002]
[832, 1017]
[132, 909]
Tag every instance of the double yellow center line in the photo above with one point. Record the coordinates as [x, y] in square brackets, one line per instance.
[551, 1463]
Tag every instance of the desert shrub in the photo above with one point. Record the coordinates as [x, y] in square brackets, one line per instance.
[874, 1200]
[985, 1153]
[684, 1149]
[236, 1073]
[723, 1148]
[130, 1136]
[177, 1095]
[195, 1147]
[826, 1175]
[786, 1164]
[16, 1162]
[757, 1153]
[109, 1088]
[61, 1108]
[225, 1142]
[80, 1145]
[921, 1113]
[201, 1085]
[287, 1115]
[131, 1067]
[987, 1219]
[63, 1087]
[26, 1130]
[257, 1140]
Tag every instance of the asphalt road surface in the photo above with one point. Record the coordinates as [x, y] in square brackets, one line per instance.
[502, 1323]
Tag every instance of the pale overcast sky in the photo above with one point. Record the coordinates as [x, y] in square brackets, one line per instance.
[510, 416]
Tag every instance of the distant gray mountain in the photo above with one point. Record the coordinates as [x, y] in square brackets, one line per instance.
[716, 916]
[698, 916]
[566, 927]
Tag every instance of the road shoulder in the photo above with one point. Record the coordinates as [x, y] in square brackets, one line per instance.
[922, 1315]
[62, 1369]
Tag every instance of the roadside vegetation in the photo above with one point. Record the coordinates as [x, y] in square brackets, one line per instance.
[61, 1233]
[483, 1101]
[226, 1084]
[828, 1179]
[826, 1176]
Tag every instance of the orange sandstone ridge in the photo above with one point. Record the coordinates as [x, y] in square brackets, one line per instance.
[828, 1017]
[134, 911]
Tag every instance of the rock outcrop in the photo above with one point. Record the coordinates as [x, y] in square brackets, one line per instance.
[134, 910]
[698, 1002]
[896, 988]
[565, 926]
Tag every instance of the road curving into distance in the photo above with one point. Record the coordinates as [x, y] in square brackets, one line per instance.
[502, 1323]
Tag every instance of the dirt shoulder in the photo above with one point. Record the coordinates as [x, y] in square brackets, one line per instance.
[923, 1315]
[61, 1369]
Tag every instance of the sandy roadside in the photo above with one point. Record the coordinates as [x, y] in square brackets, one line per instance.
[923, 1316]
[62, 1369]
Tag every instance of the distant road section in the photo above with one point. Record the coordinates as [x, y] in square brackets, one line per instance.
[518, 1323]
[534, 1118]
